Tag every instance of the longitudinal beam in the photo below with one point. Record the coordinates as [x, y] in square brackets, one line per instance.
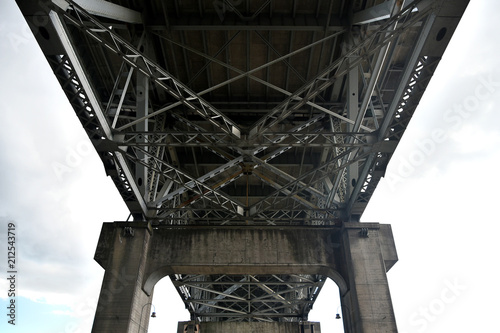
[402, 94]
[266, 140]
[95, 107]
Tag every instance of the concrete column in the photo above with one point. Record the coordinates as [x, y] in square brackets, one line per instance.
[123, 306]
[369, 252]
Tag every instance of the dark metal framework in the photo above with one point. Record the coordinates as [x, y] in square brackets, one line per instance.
[241, 112]
[263, 298]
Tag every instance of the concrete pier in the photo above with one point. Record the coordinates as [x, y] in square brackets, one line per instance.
[123, 305]
[368, 253]
[135, 256]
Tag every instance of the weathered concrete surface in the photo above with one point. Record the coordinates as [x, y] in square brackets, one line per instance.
[355, 256]
[250, 250]
[251, 327]
[387, 246]
[367, 305]
[122, 302]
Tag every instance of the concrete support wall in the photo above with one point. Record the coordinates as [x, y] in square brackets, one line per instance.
[123, 306]
[135, 257]
[368, 253]
[243, 250]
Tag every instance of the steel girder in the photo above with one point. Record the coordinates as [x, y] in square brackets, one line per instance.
[238, 118]
[248, 297]
[128, 143]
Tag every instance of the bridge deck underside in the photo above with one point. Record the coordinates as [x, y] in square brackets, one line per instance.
[244, 113]
[263, 298]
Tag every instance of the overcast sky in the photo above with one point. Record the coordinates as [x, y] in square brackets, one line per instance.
[440, 194]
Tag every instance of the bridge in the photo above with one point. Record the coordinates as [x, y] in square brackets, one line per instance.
[246, 139]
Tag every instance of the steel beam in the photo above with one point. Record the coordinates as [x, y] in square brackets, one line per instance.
[409, 70]
[105, 9]
[96, 106]
[161, 78]
[374, 14]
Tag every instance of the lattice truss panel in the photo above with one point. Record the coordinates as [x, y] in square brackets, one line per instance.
[248, 297]
[243, 112]
[218, 121]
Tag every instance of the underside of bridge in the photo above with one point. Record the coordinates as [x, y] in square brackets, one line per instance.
[246, 114]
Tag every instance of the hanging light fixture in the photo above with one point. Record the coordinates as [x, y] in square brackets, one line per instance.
[153, 314]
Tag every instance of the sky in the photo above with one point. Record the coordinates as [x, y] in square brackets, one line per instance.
[439, 194]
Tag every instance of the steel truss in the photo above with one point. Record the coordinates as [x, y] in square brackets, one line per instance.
[227, 134]
[248, 297]
[290, 133]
